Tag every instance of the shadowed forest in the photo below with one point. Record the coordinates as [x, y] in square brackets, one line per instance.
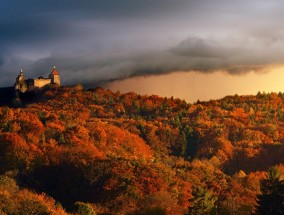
[67, 150]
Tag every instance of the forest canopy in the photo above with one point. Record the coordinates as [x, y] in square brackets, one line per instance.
[71, 150]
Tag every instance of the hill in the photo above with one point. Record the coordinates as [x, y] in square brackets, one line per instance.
[7, 94]
[112, 153]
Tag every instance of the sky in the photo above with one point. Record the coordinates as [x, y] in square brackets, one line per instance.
[128, 45]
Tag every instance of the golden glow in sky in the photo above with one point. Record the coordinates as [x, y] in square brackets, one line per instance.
[192, 85]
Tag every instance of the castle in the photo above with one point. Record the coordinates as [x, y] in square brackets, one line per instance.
[23, 85]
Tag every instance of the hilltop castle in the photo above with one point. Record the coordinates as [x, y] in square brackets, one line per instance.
[23, 85]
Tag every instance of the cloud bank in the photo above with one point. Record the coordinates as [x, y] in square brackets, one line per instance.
[99, 41]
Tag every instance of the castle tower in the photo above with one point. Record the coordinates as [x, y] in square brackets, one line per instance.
[21, 77]
[54, 76]
[21, 84]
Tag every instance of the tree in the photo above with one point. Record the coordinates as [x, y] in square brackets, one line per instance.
[82, 208]
[271, 199]
[203, 202]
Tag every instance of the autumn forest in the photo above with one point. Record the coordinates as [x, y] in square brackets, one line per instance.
[69, 150]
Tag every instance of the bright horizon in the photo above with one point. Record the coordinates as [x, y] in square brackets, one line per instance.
[192, 86]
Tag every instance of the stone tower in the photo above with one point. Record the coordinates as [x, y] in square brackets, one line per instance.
[21, 84]
[54, 76]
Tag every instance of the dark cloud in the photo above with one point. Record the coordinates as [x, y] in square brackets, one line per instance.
[95, 41]
[92, 8]
[198, 54]
[200, 48]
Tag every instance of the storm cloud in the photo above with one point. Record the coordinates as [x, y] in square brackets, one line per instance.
[94, 41]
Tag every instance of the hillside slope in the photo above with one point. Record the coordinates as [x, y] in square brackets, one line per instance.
[133, 154]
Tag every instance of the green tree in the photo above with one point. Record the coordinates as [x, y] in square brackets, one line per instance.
[271, 199]
[203, 202]
[82, 208]
[190, 140]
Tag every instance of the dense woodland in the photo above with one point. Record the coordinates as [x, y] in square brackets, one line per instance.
[66, 150]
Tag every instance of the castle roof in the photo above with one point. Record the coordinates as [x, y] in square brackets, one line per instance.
[54, 72]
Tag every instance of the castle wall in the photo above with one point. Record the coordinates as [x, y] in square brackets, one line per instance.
[21, 86]
[55, 79]
[41, 82]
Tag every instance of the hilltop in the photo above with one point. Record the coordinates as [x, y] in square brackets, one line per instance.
[113, 153]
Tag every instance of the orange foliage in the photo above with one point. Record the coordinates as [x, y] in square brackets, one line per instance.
[129, 153]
